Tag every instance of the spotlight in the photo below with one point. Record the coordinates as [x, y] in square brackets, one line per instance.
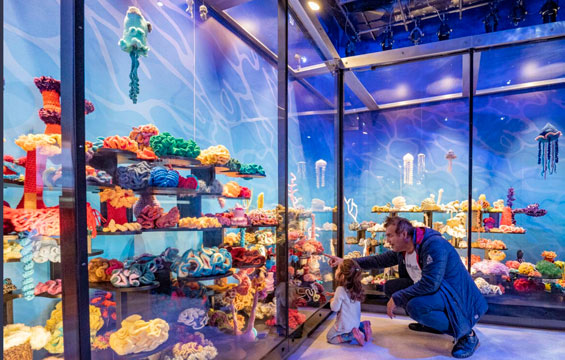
[314, 6]
[491, 20]
[518, 13]
[416, 34]
[203, 12]
[444, 29]
[160, 3]
[387, 39]
[548, 11]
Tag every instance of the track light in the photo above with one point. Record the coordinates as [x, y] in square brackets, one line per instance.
[350, 48]
[387, 39]
[444, 29]
[548, 11]
[416, 34]
[491, 20]
[518, 12]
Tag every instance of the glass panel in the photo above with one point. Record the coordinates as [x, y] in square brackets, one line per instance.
[32, 180]
[392, 84]
[407, 161]
[188, 242]
[515, 166]
[312, 195]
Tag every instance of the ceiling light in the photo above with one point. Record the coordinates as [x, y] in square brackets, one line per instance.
[364, 133]
[508, 82]
[160, 3]
[314, 6]
[444, 29]
[387, 39]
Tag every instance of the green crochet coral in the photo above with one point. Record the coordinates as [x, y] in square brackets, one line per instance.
[549, 269]
[134, 42]
[165, 144]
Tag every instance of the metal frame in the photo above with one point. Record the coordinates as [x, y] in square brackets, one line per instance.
[2, 154]
[74, 254]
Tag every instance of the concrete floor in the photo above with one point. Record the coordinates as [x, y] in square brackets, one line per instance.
[393, 340]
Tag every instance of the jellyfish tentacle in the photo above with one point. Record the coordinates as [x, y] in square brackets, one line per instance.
[134, 79]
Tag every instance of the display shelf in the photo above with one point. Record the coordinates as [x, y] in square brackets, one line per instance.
[12, 261]
[107, 286]
[12, 183]
[202, 278]
[171, 191]
[95, 252]
[123, 156]
[250, 266]
[477, 248]
[12, 296]
[181, 162]
[543, 277]
[409, 211]
[117, 233]
[49, 296]
[249, 176]
[181, 229]
[221, 169]
[147, 354]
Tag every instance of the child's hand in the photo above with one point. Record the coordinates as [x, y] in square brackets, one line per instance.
[390, 307]
[330, 293]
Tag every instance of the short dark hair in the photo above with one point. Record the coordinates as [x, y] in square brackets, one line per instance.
[402, 224]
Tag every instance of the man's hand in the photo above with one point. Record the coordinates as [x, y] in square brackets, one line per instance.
[334, 260]
[390, 306]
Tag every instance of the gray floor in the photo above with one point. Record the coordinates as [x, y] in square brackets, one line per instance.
[393, 340]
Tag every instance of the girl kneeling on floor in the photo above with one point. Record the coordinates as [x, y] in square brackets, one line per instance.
[347, 304]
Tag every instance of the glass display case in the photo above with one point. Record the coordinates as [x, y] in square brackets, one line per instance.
[179, 238]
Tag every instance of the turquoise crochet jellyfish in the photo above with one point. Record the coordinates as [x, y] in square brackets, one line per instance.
[134, 42]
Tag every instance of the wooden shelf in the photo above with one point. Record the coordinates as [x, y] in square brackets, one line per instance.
[117, 233]
[181, 229]
[95, 252]
[250, 266]
[12, 296]
[107, 286]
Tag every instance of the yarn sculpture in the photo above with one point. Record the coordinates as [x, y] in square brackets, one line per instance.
[194, 346]
[137, 336]
[135, 176]
[142, 134]
[165, 144]
[203, 262]
[548, 149]
[134, 42]
[161, 177]
[27, 242]
[194, 318]
[450, 156]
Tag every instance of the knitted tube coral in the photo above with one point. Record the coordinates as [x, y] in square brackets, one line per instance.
[142, 134]
[137, 336]
[165, 144]
[161, 177]
[28, 286]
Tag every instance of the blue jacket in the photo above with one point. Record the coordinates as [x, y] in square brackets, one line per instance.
[443, 271]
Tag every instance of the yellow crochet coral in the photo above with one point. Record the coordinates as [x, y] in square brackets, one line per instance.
[137, 335]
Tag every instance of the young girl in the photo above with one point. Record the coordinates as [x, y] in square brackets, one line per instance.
[347, 303]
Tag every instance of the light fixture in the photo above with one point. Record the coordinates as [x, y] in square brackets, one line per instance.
[159, 3]
[445, 119]
[401, 90]
[508, 82]
[416, 34]
[491, 20]
[314, 6]
[203, 12]
[365, 133]
[444, 29]
[548, 11]
[387, 39]
[518, 13]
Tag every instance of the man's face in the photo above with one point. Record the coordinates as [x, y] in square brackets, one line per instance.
[398, 242]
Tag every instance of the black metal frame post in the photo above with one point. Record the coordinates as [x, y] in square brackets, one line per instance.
[2, 154]
[339, 165]
[282, 229]
[470, 164]
[74, 258]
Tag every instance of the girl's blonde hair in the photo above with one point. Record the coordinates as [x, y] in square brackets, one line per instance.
[349, 277]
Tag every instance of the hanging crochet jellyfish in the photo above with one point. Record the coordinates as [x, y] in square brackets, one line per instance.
[321, 173]
[421, 167]
[548, 149]
[450, 156]
[134, 42]
[408, 169]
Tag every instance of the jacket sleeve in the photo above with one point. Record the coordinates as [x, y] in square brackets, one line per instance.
[335, 304]
[434, 259]
[381, 261]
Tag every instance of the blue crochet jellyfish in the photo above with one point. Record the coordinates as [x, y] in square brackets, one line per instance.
[548, 149]
[134, 42]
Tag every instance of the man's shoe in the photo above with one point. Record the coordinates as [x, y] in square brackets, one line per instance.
[423, 328]
[466, 346]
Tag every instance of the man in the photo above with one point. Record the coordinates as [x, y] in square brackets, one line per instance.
[434, 286]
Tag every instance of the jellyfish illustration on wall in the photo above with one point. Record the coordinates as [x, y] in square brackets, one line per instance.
[321, 173]
[408, 169]
[450, 156]
[134, 42]
[421, 167]
[548, 149]
[301, 169]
